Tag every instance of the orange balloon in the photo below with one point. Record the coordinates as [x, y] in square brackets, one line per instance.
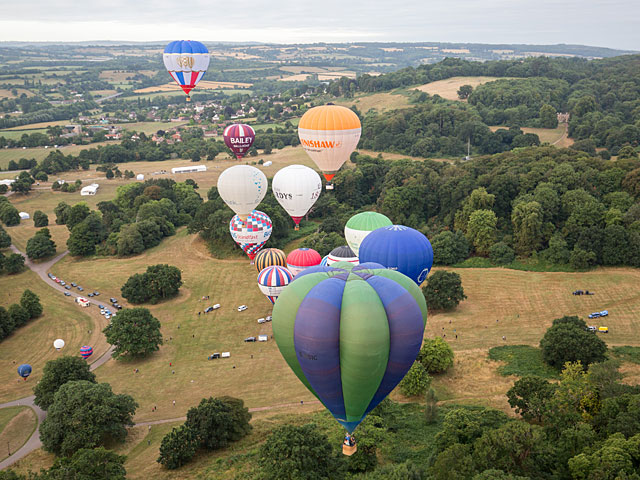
[329, 134]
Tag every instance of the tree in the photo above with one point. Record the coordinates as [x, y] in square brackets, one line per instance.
[5, 239]
[527, 220]
[431, 406]
[464, 91]
[157, 283]
[77, 214]
[567, 341]
[109, 174]
[31, 303]
[481, 230]
[6, 324]
[296, 453]
[501, 254]
[41, 245]
[226, 416]
[134, 332]
[14, 263]
[529, 396]
[40, 219]
[548, 117]
[62, 213]
[443, 290]
[436, 355]
[178, 447]
[617, 458]
[85, 415]
[449, 247]
[416, 381]
[81, 242]
[89, 464]
[9, 214]
[581, 259]
[136, 288]
[58, 372]
[130, 240]
[19, 316]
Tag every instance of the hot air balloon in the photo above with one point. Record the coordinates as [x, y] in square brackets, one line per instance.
[399, 248]
[187, 61]
[270, 256]
[342, 254]
[24, 370]
[361, 225]
[329, 134]
[302, 258]
[86, 351]
[272, 281]
[239, 138]
[323, 262]
[252, 233]
[350, 334]
[58, 344]
[242, 188]
[296, 188]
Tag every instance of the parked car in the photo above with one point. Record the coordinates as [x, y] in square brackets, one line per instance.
[603, 329]
[592, 328]
[118, 306]
[216, 306]
[102, 312]
[68, 287]
[57, 280]
[62, 283]
[67, 294]
[604, 313]
[73, 284]
[268, 318]
[262, 320]
[50, 276]
[242, 308]
[594, 315]
[80, 289]
[113, 300]
[250, 339]
[208, 309]
[107, 316]
[90, 295]
[95, 294]
[101, 307]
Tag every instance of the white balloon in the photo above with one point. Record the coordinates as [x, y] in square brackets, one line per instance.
[58, 344]
[242, 187]
[296, 188]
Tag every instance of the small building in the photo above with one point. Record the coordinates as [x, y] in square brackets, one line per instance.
[140, 177]
[24, 216]
[189, 169]
[90, 189]
[7, 182]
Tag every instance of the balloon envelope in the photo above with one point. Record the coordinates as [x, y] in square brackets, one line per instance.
[242, 188]
[350, 335]
[186, 61]
[252, 233]
[239, 138]
[329, 133]
[24, 370]
[272, 281]
[86, 351]
[302, 258]
[296, 188]
[270, 256]
[399, 248]
[361, 225]
[58, 344]
[342, 254]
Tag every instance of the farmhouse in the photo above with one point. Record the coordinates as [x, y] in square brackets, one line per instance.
[90, 189]
[194, 168]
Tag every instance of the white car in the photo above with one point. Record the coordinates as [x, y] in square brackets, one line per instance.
[262, 320]
[268, 318]
[242, 308]
[102, 312]
[107, 316]
[216, 306]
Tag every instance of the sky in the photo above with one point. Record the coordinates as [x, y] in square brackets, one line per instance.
[605, 23]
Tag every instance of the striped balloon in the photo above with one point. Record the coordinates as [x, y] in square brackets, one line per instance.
[342, 254]
[272, 281]
[270, 256]
[251, 234]
[239, 138]
[186, 61]
[323, 262]
[86, 351]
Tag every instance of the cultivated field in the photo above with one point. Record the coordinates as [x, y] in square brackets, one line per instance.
[376, 101]
[449, 88]
[553, 136]
[4, 93]
[203, 85]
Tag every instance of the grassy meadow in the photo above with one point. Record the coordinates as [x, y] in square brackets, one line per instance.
[449, 87]
[16, 426]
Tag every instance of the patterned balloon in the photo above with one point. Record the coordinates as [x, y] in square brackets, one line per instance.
[186, 61]
[239, 138]
[86, 351]
[24, 370]
[272, 281]
[323, 262]
[342, 254]
[302, 258]
[252, 233]
[350, 334]
[270, 256]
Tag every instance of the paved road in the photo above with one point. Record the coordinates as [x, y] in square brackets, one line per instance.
[107, 97]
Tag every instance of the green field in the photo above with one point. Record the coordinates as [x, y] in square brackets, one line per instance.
[16, 426]
[17, 134]
[39, 153]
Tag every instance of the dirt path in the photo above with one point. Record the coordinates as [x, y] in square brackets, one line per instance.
[564, 134]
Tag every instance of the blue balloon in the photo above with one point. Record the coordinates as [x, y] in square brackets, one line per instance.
[24, 370]
[399, 248]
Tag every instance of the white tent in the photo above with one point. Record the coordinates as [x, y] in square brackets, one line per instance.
[190, 169]
[140, 177]
[24, 216]
[90, 189]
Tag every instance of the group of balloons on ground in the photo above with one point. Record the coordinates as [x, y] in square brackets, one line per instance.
[25, 369]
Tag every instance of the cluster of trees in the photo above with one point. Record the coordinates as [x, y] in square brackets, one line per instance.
[12, 263]
[65, 187]
[158, 283]
[9, 214]
[435, 357]
[134, 333]
[63, 112]
[22, 164]
[559, 205]
[438, 127]
[18, 314]
[212, 425]
[41, 245]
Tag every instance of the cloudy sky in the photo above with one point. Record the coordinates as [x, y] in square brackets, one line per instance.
[607, 23]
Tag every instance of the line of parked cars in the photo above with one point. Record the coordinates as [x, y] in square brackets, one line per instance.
[603, 313]
[114, 301]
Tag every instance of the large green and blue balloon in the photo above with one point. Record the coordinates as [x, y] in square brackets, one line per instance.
[350, 334]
